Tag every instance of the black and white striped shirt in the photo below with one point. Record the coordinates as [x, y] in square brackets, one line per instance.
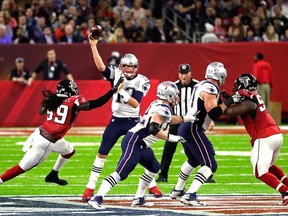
[185, 97]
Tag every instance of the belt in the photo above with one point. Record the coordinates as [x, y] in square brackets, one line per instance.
[47, 136]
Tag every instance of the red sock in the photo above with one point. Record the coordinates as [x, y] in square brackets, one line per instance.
[273, 181]
[12, 173]
[278, 172]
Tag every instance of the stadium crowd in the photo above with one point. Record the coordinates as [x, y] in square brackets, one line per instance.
[56, 21]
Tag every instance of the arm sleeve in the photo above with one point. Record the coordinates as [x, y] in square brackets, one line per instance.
[109, 73]
[100, 101]
[138, 96]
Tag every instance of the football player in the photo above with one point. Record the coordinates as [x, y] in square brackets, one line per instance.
[136, 145]
[198, 148]
[62, 108]
[125, 110]
[266, 136]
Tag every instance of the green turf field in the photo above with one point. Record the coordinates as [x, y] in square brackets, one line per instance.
[234, 174]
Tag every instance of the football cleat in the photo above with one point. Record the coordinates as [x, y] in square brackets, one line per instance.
[191, 199]
[210, 180]
[285, 199]
[96, 203]
[176, 194]
[161, 179]
[52, 177]
[140, 201]
[155, 191]
[87, 194]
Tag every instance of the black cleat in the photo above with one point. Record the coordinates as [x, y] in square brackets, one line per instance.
[161, 179]
[210, 180]
[52, 177]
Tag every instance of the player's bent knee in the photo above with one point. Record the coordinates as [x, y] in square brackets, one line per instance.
[123, 176]
[67, 156]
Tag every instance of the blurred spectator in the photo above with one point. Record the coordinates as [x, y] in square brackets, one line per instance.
[250, 37]
[118, 36]
[176, 36]
[20, 73]
[219, 31]
[104, 9]
[120, 9]
[83, 10]
[209, 36]
[160, 33]
[9, 20]
[285, 36]
[106, 29]
[69, 36]
[283, 8]
[73, 15]
[31, 21]
[150, 19]
[257, 28]
[270, 35]
[129, 30]
[47, 37]
[20, 37]
[184, 10]
[41, 10]
[197, 12]
[4, 38]
[52, 67]
[142, 33]
[38, 28]
[138, 11]
[114, 58]
[9, 30]
[236, 32]
[208, 17]
[27, 30]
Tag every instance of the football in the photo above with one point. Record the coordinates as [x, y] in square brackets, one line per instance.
[96, 32]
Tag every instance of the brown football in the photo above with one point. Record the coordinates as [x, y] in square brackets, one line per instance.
[96, 31]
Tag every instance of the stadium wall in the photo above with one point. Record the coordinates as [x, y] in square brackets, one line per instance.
[160, 61]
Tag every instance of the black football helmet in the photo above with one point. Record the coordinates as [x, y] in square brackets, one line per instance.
[245, 81]
[66, 88]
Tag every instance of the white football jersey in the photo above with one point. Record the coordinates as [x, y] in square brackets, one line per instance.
[139, 86]
[197, 104]
[141, 128]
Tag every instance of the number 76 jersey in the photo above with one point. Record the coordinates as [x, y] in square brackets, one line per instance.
[61, 120]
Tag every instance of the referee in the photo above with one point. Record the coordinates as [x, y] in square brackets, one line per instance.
[185, 85]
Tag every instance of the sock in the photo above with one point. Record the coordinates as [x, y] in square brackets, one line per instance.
[152, 183]
[1, 182]
[278, 172]
[200, 178]
[273, 181]
[108, 183]
[60, 163]
[185, 172]
[95, 172]
[144, 182]
[11, 173]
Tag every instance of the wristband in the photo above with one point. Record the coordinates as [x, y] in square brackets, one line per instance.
[173, 138]
[124, 95]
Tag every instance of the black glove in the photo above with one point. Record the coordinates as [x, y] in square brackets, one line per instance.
[236, 98]
[115, 87]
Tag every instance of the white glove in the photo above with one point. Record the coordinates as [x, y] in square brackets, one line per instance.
[235, 98]
[175, 138]
[124, 95]
[189, 118]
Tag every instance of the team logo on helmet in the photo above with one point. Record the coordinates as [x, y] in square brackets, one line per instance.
[245, 81]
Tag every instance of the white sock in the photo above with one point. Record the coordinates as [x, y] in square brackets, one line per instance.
[1, 182]
[95, 172]
[185, 172]
[152, 183]
[200, 178]
[59, 163]
[144, 182]
[108, 183]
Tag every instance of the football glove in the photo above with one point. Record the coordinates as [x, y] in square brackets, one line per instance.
[235, 98]
[175, 138]
[116, 86]
[189, 118]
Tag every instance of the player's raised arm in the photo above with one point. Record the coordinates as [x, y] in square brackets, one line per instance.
[96, 56]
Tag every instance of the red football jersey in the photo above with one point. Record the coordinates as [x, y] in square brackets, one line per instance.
[259, 123]
[61, 120]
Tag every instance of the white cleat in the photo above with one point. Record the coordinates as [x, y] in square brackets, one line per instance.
[96, 203]
[191, 199]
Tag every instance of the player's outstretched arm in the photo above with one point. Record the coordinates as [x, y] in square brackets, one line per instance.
[96, 56]
[92, 104]
[240, 109]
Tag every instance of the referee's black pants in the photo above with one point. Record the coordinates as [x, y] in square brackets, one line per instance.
[168, 152]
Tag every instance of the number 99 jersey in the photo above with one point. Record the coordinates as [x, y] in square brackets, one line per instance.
[61, 120]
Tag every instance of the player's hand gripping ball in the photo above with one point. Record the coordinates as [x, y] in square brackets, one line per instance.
[96, 32]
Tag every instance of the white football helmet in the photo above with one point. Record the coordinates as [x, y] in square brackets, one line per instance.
[129, 60]
[167, 90]
[216, 71]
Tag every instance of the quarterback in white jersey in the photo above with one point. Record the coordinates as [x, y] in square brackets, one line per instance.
[125, 110]
[136, 144]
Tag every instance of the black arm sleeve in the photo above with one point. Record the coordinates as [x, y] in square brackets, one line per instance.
[100, 101]
[154, 128]
[215, 113]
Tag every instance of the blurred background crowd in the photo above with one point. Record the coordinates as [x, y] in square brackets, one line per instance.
[172, 21]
